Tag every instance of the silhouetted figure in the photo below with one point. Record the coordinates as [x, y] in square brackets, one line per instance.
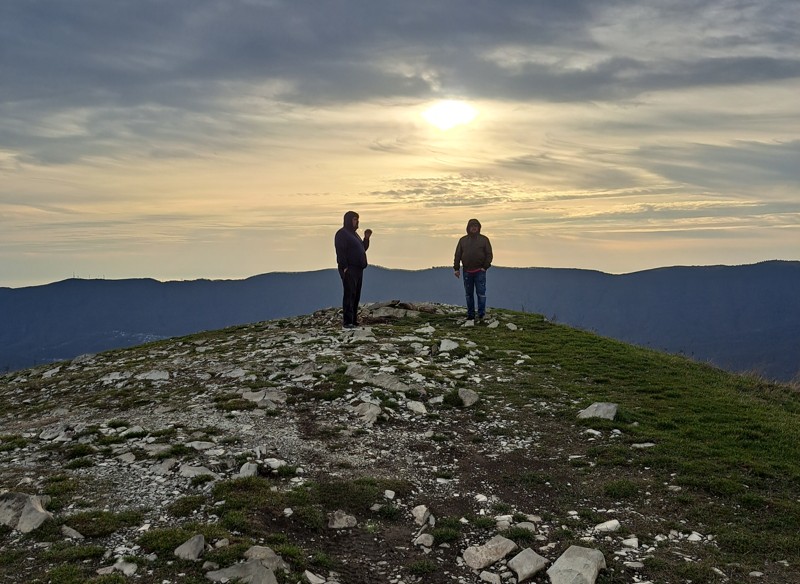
[474, 252]
[351, 259]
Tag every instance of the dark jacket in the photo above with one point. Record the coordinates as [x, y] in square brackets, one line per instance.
[474, 251]
[351, 250]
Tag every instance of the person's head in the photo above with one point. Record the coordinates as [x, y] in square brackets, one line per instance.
[351, 220]
[473, 227]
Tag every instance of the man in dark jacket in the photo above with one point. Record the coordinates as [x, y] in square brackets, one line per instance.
[474, 251]
[351, 259]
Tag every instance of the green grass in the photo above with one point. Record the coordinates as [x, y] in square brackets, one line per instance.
[729, 441]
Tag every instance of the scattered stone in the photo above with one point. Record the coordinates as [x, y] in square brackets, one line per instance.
[527, 563]
[494, 550]
[313, 578]
[368, 412]
[631, 542]
[416, 407]
[447, 345]
[153, 376]
[426, 540]
[421, 514]
[267, 557]
[577, 565]
[22, 512]
[603, 410]
[468, 397]
[191, 549]
[608, 526]
[341, 520]
[188, 471]
[70, 533]
[252, 571]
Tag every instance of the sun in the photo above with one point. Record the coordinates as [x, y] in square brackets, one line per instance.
[449, 113]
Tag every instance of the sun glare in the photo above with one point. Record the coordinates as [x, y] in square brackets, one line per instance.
[449, 113]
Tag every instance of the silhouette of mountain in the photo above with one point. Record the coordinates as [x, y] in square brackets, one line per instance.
[740, 318]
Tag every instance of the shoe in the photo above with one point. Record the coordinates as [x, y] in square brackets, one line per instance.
[348, 326]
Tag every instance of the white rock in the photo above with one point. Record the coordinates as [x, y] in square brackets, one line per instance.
[421, 514]
[416, 407]
[603, 410]
[527, 563]
[608, 526]
[494, 550]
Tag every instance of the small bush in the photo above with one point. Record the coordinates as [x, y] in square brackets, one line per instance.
[102, 523]
[84, 462]
[12, 442]
[64, 552]
[164, 541]
[445, 535]
[621, 489]
[78, 451]
[185, 506]
[422, 567]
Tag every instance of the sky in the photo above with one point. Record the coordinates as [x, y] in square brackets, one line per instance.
[221, 139]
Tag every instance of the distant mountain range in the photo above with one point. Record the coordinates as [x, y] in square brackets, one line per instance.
[740, 318]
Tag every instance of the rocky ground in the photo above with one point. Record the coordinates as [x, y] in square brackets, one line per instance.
[408, 413]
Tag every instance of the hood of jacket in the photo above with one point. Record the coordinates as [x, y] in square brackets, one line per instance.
[472, 222]
[347, 222]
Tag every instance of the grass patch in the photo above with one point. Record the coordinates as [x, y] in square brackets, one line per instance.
[11, 442]
[102, 523]
[621, 489]
[186, 506]
[423, 567]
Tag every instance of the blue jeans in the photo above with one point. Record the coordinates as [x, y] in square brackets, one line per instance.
[475, 283]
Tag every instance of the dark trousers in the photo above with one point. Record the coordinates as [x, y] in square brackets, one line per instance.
[351, 283]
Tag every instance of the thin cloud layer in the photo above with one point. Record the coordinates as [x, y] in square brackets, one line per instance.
[162, 118]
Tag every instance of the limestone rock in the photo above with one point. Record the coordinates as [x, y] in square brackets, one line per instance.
[248, 469]
[494, 550]
[468, 397]
[604, 410]
[447, 345]
[416, 407]
[368, 412]
[341, 520]
[421, 514]
[22, 512]
[188, 471]
[577, 565]
[608, 526]
[191, 549]
[267, 557]
[527, 563]
[251, 571]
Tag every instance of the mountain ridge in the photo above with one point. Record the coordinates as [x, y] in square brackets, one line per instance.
[741, 318]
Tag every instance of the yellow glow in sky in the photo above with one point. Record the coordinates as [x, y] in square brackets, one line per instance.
[449, 113]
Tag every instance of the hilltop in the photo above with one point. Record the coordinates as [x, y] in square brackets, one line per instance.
[424, 438]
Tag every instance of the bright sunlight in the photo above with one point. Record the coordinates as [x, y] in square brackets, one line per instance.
[449, 113]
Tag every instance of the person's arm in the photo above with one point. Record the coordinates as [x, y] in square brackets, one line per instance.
[489, 255]
[457, 260]
[367, 235]
[340, 243]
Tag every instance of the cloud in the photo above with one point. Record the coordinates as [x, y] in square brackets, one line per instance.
[593, 115]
